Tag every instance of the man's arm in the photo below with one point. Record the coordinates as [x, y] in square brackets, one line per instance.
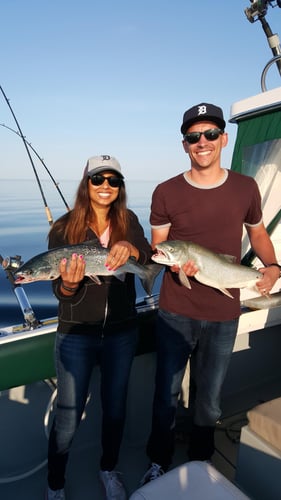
[264, 249]
[158, 235]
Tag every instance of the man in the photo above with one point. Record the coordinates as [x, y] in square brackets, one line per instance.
[208, 205]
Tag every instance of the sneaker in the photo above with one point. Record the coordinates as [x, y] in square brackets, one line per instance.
[114, 488]
[154, 471]
[55, 494]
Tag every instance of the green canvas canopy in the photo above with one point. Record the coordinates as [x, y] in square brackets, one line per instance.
[257, 152]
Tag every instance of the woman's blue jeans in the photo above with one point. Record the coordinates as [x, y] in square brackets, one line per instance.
[177, 337]
[76, 356]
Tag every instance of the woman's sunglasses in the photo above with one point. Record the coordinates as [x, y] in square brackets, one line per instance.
[113, 181]
[211, 134]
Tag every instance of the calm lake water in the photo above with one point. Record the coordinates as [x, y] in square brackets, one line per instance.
[24, 228]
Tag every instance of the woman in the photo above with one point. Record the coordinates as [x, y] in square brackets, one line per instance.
[97, 322]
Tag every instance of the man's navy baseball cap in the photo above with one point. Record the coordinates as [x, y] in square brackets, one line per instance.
[203, 112]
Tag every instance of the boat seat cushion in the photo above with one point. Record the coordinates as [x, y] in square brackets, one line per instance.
[265, 420]
[193, 480]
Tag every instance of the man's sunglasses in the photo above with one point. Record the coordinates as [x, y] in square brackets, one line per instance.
[211, 134]
[113, 181]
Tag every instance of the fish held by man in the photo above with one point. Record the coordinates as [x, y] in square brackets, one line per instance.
[215, 270]
[45, 266]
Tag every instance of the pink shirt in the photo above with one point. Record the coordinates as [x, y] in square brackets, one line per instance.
[104, 237]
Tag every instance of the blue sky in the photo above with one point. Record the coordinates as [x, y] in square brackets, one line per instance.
[115, 77]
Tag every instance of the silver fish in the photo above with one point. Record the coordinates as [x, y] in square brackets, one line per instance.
[263, 302]
[215, 270]
[45, 266]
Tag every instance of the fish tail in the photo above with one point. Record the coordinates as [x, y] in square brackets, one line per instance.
[151, 272]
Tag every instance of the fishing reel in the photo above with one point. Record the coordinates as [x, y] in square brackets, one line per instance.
[11, 263]
[259, 8]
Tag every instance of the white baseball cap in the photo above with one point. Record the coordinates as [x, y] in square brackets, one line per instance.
[97, 164]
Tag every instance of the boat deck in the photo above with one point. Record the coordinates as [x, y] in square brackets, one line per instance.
[254, 376]
[26, 412]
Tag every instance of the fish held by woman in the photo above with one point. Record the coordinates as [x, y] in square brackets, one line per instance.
[45, 266]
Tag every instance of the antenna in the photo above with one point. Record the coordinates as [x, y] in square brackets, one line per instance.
[257, 12]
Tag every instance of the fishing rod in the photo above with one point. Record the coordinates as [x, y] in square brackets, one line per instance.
[10, 264]
[47, 209]
[43, 163]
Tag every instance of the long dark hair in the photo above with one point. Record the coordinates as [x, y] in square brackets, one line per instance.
[74, 224]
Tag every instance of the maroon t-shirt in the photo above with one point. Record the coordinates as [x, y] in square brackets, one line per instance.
[213, 217]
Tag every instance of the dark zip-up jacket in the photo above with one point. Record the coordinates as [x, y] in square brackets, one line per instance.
[106, 308]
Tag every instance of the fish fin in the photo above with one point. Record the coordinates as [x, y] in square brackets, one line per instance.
[184, 279]
[121, 277]
[229, 258]
[95, 278]
[151, 272]
[225, 292]
[93, 243]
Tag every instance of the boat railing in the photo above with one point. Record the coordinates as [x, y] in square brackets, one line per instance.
[265, 70]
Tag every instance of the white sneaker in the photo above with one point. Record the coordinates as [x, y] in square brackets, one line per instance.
[114, 488]
[154, 471]
[55, 494]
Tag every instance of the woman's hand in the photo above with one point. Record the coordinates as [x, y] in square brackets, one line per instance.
[119, 254]
[72, 271]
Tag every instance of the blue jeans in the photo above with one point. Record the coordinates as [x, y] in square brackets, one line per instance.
[76, 356]
[177, 337]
